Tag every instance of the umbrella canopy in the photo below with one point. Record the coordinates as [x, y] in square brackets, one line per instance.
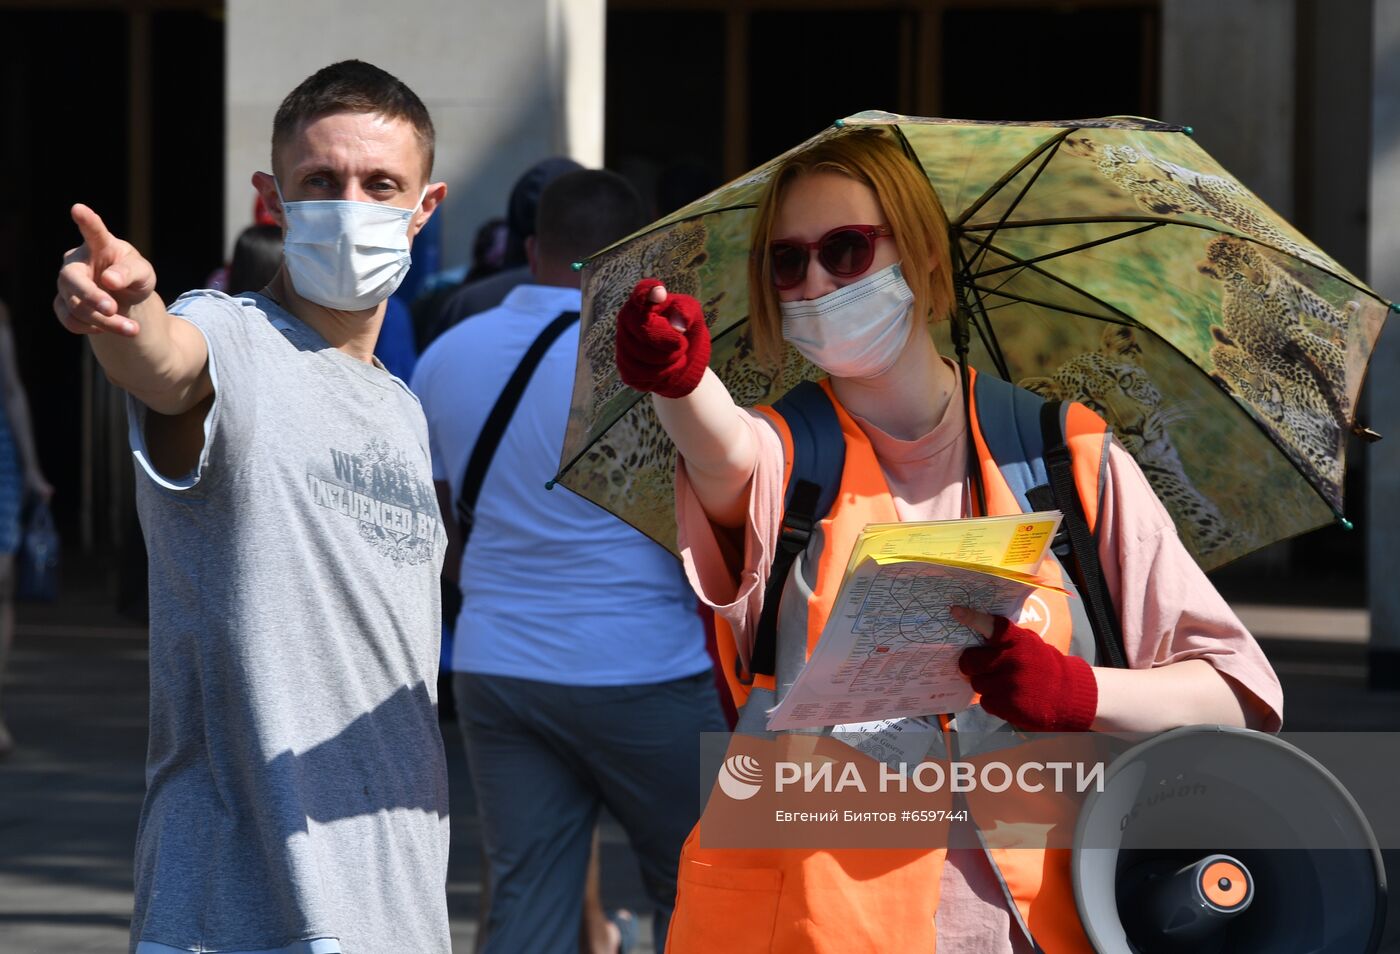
[1108, 261]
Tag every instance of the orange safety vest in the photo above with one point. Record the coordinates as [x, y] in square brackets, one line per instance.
[842, 901]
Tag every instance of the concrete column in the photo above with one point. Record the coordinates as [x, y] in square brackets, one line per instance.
[1239, 104]
[507, 84]
[1383, 382]
[577, 53]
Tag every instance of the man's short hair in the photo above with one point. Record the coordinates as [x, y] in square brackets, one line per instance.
[353, 86]
[524, 206]
[584, 211]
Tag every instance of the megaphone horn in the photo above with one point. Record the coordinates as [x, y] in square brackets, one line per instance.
[1212, 839]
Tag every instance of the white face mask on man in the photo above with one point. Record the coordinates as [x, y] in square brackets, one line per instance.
[856, 331]
[346, 255]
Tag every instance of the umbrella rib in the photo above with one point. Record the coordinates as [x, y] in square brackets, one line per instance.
[1216, 384]
[1083, 220]
[1192, 364]
[1005, 281]
[1123, 315]
[1126, 319]
[987, 246]
[590, 444]
[1051, 143]
[659, 225]
[984, 325]
[907, 146]
[989, 340]
[1123, 320]
[913, 157]
[1005, 304]
[1049, 154]
[637, 397]
[1165, 220]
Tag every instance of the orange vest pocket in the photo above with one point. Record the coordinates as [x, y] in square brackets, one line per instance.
[734, 910]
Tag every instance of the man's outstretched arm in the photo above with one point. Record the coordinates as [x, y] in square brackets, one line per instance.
[106, 290]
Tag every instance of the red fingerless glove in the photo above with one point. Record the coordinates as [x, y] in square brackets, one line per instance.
[654, 355]
[1030, 683]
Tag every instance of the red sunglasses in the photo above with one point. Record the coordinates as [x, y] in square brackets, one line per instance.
[845, 252]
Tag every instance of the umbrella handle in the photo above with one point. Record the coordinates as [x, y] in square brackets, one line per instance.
[962, 336]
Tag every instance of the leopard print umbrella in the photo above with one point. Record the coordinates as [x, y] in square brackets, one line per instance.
[1109, 261]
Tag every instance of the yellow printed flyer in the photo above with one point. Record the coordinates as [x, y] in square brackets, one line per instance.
[1017, 543]
[890, 647]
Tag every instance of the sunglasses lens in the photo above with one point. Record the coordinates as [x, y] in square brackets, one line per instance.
[846, 253]
[789, 264]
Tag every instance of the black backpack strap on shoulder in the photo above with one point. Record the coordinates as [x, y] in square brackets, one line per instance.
[495, 427]
[818, 457]
[1098, 602]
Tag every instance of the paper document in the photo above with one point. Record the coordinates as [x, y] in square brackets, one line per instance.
[890, 647]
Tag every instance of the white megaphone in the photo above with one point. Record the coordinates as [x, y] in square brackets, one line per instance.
[1216, 840]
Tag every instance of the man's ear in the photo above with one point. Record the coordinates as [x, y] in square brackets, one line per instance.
[437, 191]
[532, 256]
[267, 191]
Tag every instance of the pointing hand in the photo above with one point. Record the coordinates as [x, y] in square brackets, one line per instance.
[101, 280]
[663, 344]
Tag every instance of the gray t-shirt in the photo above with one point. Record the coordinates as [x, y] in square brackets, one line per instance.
[296, 788]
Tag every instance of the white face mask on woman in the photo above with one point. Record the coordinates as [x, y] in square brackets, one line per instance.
[346, 255]
[856, 331]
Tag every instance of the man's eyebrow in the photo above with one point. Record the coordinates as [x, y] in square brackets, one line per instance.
[378, 172]
[382, 173]
[315, 170]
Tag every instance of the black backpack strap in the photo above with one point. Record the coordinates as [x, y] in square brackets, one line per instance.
[818, 457]
[1083, 549]
[495, 427]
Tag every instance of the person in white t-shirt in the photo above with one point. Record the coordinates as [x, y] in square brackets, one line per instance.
[580, 669]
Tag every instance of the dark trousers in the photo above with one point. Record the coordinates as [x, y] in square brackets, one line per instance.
[544, 757]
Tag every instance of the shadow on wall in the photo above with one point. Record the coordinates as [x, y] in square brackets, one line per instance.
[478, 186]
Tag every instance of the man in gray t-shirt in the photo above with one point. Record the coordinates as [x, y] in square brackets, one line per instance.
[296, 791]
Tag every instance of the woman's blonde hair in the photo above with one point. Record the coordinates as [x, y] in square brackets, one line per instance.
[872, 157]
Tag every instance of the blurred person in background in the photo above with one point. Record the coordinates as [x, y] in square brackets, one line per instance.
[488, 258]
[395, 347]
[257, 255]
[21, 478]
[488, 250]
[218, 279]
[444, 306]
[579, 665]
[475, 296]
